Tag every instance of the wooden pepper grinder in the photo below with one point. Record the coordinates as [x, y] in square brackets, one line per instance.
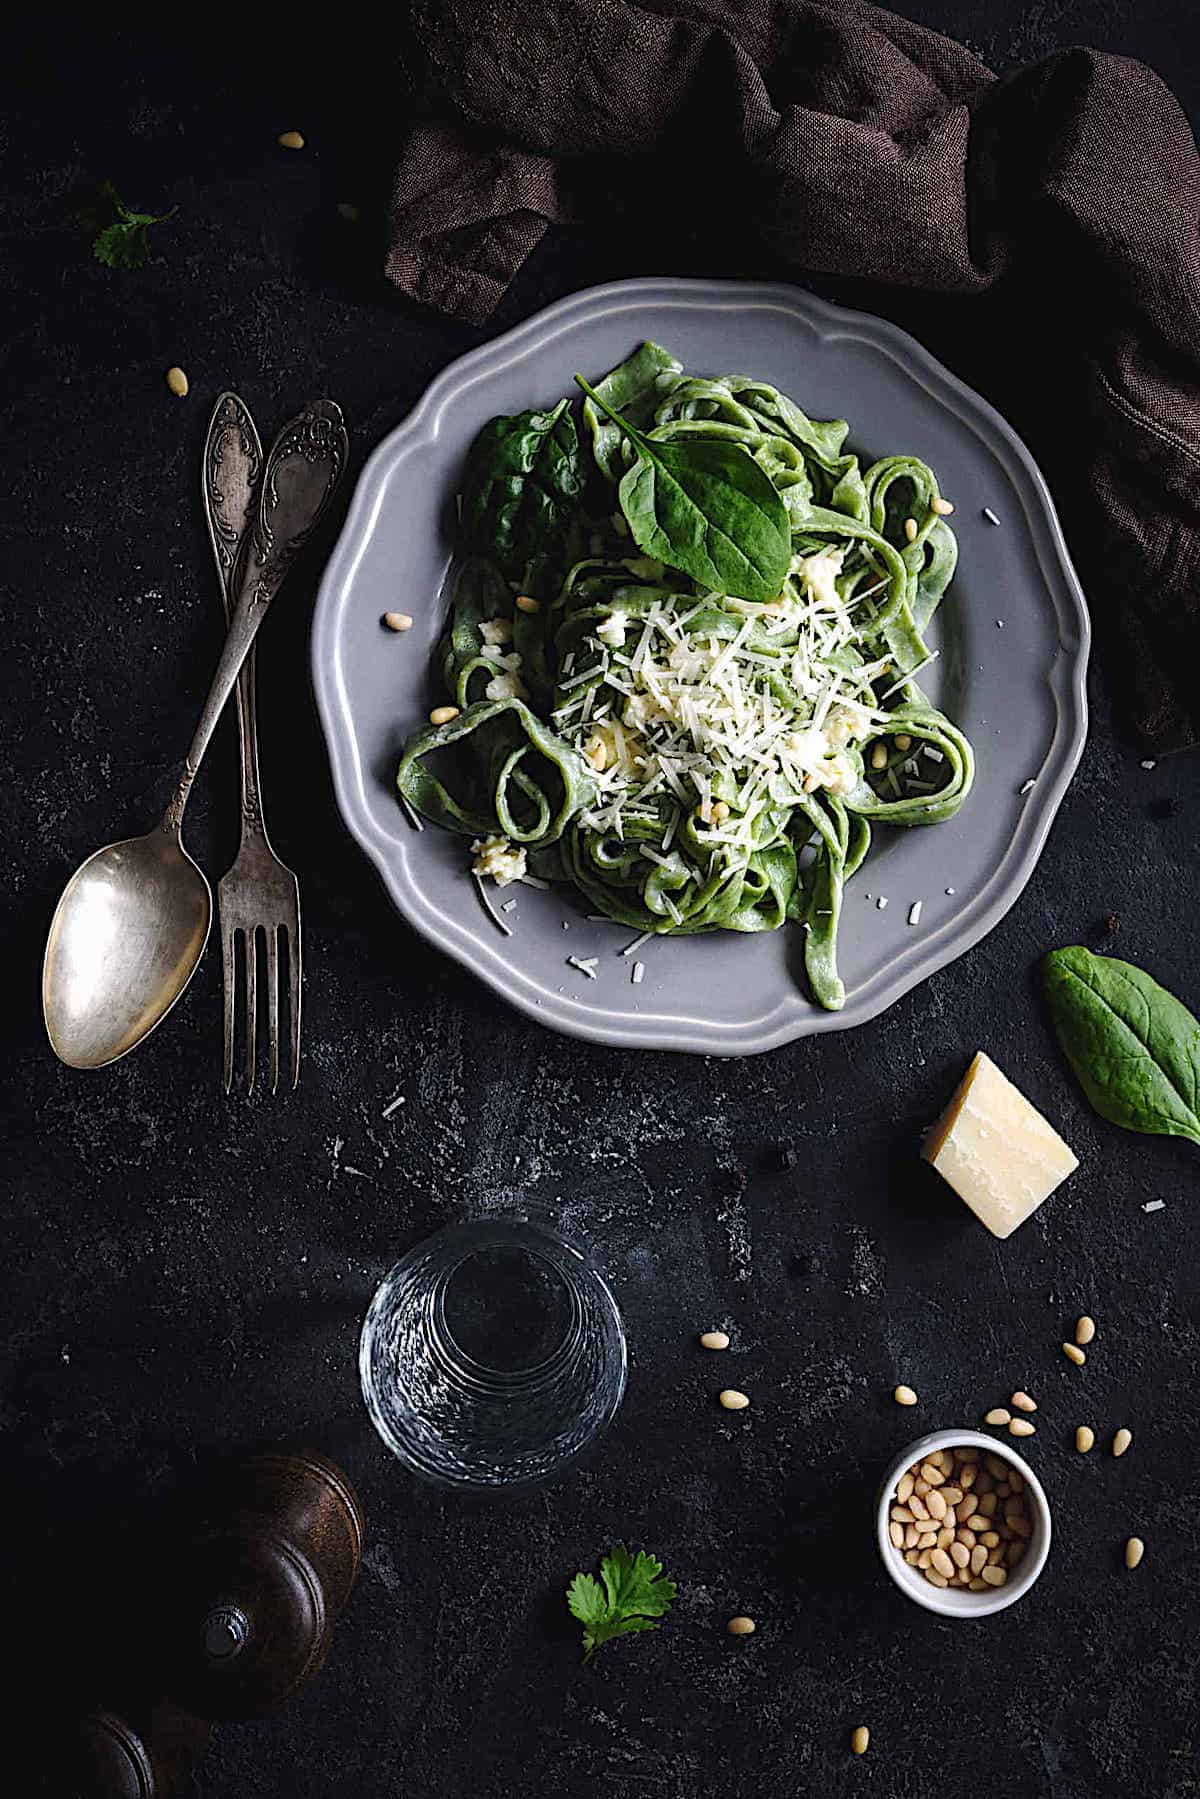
[252, 1575]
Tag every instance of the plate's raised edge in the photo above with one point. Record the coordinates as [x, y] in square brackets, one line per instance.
[794, 1016]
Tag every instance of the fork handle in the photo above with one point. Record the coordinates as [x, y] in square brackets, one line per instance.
[253, 824]
[230, 471]
[303, 468]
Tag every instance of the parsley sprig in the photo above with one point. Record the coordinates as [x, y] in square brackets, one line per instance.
[632, 1594]
[124, 243]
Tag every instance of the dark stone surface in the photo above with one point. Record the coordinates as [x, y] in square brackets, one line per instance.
[185, 1274]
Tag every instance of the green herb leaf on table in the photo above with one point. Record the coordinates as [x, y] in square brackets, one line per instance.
[631, 1595]
[706, 508]
[1134, 1047]
[521, 489]
[124, 243]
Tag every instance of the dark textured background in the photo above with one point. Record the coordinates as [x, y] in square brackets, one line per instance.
[185, 1273]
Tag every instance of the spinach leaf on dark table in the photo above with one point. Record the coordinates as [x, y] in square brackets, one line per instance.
[1133, 1046]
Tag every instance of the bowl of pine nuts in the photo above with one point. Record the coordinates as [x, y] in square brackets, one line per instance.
[963, 1524]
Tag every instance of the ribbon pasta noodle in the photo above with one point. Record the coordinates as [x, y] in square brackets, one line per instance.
[691, 761]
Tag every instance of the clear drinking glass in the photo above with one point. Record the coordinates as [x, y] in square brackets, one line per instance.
[491, 1355]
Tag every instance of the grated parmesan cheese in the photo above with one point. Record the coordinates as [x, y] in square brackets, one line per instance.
[497, 857]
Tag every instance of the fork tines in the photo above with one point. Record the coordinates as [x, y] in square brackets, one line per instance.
[251, 953]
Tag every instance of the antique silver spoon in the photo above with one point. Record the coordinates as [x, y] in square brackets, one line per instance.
[133, 920]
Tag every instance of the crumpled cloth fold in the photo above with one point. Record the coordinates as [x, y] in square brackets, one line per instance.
[843, 140]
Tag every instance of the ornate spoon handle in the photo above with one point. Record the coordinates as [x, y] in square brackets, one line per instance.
[303, 467]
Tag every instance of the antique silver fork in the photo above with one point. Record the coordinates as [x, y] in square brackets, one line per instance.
[260, 894]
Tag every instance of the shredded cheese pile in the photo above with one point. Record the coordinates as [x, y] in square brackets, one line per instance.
[695, 715]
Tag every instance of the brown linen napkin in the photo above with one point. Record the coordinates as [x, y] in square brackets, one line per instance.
[844, 140]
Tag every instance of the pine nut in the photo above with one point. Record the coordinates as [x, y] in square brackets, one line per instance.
[1074, 1354]
[525, 602]
[910, 1556]
[941, 1561]
[960, 1555]
[1016, 1481]
[1135, 1549]
[937, 1505]
[1022, 1526]
[1121, 1441]
[859, 1740]
[441, 715]
[942, 1458]
[952, 1495]
[903, 743]
[290, 140]
[927, 1540]
[733, 1401]
[935, 1579]
[911, 1536]
[879, 756]
[995, 1467]
[989, 1539]
[741, 1627]
[904, 1396]
[923, 1559]
[995, 1577]
[1023, 1402]
[905, 1487]
[1021, 1427]
[1085, 1329]
[921, 1487]
[997, 1415]
[896, 1533]
[976, 1586]
[931, 1472]
[398, 621]
[945, 1537]
[951, 1518]
[720, 812]
[978, 1558]
[177, 381]
[910, 529]
[714, 1340]
[900, 1514]
[943, 508]
[1015, 1552]
[917, 1506]
[977, 1522]
[966, 1537]
[1085, 1437]
[968, 1474]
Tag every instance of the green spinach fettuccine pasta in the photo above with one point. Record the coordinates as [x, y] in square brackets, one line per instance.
[680, 661]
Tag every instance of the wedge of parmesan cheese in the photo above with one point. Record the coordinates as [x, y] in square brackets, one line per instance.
[996, 1151]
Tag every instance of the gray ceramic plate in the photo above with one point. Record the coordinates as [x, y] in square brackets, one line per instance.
[1016, 687]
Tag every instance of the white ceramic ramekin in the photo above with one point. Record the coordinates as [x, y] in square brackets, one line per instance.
[957, 1602]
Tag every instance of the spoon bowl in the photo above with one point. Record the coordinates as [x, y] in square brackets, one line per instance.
[124, 942]
[134, 919]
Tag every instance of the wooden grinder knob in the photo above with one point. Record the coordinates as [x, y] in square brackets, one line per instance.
[255, 1583]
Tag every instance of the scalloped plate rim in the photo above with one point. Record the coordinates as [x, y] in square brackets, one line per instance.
[794, 1016]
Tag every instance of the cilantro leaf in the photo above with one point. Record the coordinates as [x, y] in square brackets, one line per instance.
[124, 242]
[634, 1596]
